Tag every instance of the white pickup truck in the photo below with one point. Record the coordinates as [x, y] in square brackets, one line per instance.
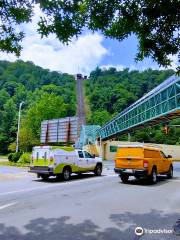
[62, 161]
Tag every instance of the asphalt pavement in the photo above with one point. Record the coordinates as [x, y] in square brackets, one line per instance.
[87, 207]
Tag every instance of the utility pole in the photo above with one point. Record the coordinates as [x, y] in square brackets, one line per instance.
[19, 121]
[129, 136]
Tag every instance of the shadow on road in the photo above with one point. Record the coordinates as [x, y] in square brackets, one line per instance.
[74, 177]
[144, 182]
[62, 228]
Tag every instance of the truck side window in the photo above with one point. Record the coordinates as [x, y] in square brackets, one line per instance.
[80, 153]
[88, 155]
[163, 155]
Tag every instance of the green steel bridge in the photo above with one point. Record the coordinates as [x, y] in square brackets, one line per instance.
[160, 105]
[88, 135]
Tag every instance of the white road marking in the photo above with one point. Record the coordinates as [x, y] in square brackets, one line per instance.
[7, 205]
[56, 185]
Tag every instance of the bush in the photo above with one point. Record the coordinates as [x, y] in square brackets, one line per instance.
[25, 158]
[12, 147]
[14, 157]
[10, 157]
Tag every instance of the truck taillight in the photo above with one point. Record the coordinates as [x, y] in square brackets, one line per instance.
[145, 163]
[51, 159]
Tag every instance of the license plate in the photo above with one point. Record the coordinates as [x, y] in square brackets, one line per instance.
[128, 171]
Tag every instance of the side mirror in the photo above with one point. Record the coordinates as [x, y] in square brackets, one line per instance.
[169, 156]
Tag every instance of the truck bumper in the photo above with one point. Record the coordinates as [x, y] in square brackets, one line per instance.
[41, 170]
[132, 172]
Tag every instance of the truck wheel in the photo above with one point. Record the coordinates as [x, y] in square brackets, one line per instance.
[170, 172]
[137, 177]
[153, 176]
[58, 177]
[124, 178]
[45, 177]
[66, 174]
[98, 170]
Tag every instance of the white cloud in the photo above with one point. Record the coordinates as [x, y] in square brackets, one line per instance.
[175, 61]
[82, 54]
[147, 63]
[118, 67]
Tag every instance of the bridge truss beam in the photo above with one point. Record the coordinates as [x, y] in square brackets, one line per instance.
[159, 105]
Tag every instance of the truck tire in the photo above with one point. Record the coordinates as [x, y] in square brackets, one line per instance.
[124, 178]
[153, 176]
[59, 177]
[98, 170]
[66, 174]
[170, 172]
[45, 177]
[137, 177]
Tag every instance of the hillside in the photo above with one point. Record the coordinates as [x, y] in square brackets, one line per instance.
[49, 94]
[46, 95]
[111, 91]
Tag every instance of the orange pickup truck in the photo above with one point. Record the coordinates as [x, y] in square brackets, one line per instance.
[142, 161]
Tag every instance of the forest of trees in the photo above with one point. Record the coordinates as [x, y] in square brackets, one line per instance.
[110, 91]
[45, 94]
[49, 94]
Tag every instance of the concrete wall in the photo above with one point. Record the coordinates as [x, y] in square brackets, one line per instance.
[109, 155]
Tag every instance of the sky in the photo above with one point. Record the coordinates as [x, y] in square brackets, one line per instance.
[83, 55]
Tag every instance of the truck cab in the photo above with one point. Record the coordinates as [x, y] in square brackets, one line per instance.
[62, 162]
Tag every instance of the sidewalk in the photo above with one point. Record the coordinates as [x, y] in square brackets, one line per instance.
[3, 159]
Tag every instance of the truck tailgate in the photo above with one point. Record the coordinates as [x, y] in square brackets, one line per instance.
[133, 162]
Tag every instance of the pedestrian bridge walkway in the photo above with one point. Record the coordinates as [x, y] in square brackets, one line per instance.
[159, 105]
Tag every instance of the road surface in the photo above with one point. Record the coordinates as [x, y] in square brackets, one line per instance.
[90, 208]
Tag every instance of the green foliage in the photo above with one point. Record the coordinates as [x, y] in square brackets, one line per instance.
[113, 90]
[100, 117]
[4, 163]
[10, 157]
[46, 94]
[25, 158]
[49, 106]
[12, 14]
[155, 23]
[12, 147]
[14, 157]
[156, 134]
[65, 148]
